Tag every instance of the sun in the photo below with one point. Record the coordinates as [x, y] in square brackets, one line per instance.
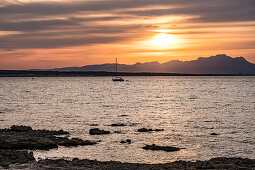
[163, 40]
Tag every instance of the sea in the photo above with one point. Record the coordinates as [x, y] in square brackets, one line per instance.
[189, 109]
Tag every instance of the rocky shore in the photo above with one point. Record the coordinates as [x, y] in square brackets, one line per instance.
[24, 137]
[215, 163]
[17, 140]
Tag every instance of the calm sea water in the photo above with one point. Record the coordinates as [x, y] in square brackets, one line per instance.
[188, 108]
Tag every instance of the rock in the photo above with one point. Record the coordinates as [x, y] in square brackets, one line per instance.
[149, 130]
[20, 128]
[123, 115]
[144, 130]
[215, 163]
[27, 142]
[74, 142]
[214, 134]
[8, 157]
[96, 131]
[93, 124]
[118, 124]
[21, 137]
[126, 141]
[163, 148]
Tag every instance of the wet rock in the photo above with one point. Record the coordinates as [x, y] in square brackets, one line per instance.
[215, 163]
[214, 134]
[126, 141]
[27, 142]
[20, 128]
[8, 157]
[93, 124]
[96, 131]
[74, 142]
[157, 130]
[149, 130]
[163, 148]
[123, 115]
[118, 124]
[21, 137]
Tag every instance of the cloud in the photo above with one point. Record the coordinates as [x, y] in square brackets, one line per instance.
[28, 26]
[207, 9]
[63, 24]
[22, 41]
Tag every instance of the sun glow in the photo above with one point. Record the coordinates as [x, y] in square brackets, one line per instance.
[163, 40]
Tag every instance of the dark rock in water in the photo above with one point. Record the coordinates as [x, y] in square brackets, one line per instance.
[126, 141]
[18, 141]
[149, 130]
[8, 157]
[20, 128]
[93, 124]
[74, 142]
[144, 130]
[27, 138]
[214, 134]
[163, 148]
[97, 131]
[123, 115]
[118, 124]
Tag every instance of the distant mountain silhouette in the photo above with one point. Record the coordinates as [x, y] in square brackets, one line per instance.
[219, 64]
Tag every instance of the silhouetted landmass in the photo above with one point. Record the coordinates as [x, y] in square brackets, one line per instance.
[219, 64]
[24, 73]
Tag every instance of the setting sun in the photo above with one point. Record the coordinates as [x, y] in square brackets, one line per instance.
[163, 40]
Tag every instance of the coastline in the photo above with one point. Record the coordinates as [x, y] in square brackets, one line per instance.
[27, 73]
[214, 163]
[18, 142]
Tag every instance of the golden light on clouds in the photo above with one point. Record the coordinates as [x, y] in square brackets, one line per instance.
[60, 33]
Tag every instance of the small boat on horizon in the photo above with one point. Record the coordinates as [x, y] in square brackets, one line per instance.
[116, 70]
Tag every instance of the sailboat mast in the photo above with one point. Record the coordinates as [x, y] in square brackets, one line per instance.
[116, 66]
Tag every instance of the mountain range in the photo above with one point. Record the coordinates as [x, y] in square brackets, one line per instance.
[219, 64]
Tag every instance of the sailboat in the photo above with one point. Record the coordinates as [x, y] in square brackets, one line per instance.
[117, 78]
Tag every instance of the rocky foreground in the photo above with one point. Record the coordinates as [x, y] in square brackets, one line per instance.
[24, 137]
[215, 163]
[17, 140]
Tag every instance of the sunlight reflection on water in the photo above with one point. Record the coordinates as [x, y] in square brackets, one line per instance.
[188, 108]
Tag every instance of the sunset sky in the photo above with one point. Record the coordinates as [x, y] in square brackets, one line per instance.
[62, 33]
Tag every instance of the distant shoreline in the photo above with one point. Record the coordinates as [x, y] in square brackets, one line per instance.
[25, 73]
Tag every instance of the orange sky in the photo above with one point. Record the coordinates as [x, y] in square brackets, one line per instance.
[51, 34]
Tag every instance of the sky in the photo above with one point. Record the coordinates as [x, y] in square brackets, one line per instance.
[62, 33]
